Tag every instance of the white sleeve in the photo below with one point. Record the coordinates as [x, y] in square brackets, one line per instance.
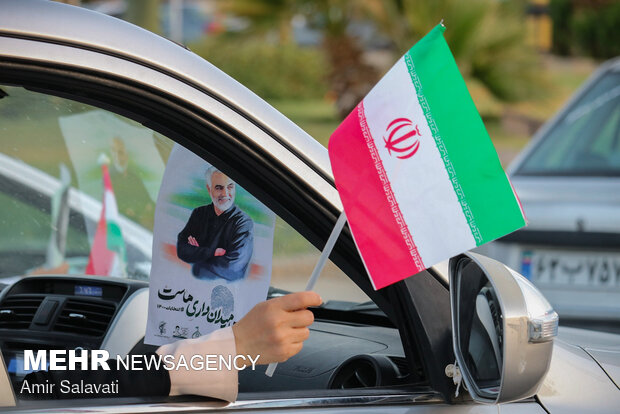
[222, 384]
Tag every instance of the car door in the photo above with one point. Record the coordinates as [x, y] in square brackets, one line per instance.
[114, 66]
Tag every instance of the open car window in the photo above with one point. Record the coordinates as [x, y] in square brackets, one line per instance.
[52, 189]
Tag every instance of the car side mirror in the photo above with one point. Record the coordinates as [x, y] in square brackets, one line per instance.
[502, 329]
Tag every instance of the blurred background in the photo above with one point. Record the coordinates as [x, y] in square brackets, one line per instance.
[315, 60]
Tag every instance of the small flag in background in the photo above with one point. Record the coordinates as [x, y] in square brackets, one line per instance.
[418, 176]
[107, 254]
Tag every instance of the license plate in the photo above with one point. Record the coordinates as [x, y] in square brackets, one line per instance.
[551, 267]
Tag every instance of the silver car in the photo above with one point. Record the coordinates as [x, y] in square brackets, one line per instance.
[74, 84]
[568, 180]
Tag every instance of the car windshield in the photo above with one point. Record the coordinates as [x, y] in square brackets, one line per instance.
[586, 139]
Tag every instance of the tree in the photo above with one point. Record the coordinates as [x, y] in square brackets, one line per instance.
[144, 13]
[487, 39]
[348, 76]
[265, 15]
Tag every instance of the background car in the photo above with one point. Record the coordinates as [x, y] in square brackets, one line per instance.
[392, 350]
[28, 195]
[568, 180]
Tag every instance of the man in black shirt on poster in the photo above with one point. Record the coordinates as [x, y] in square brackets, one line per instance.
[218, 238]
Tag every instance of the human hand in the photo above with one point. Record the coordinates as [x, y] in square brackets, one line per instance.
[191, 240]
[276, 329]
[219, 252]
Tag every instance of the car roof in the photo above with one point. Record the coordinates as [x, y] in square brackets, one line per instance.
[64, 24]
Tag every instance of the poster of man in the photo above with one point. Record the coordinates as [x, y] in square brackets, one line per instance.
[218, 238]
[212, 251]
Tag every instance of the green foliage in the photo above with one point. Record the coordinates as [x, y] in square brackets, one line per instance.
[487, 39]
[560, 12]
[318, 117]
[144, 13]
[265, 15]
[590, 30]
[271, 71]
[597, 31]
[288, 242]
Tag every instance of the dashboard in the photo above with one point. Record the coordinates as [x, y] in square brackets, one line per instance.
[63, 312]
[337, 356]
[91, 313]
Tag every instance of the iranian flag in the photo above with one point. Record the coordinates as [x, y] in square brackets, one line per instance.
[107, 254]
[419, 178]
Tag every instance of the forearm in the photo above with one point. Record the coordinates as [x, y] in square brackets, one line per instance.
[224, 268]
[193, 254]
[221, 384]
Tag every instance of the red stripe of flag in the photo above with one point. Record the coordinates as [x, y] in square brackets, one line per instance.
[369, 214]
[101, 259]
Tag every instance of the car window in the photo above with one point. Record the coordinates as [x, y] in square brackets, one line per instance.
[586, 140]
[51, 190]
[52, 183]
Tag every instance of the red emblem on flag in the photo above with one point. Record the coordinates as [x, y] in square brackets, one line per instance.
[402, 138]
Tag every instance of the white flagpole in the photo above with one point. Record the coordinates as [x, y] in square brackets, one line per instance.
[331, 241]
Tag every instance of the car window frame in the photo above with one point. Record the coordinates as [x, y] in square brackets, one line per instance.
[110, 91]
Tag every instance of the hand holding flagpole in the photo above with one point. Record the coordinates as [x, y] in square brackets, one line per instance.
[331, 241]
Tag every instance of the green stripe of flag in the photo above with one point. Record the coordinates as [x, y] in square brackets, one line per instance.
[443, 151]
[114, 237]
[485, 188]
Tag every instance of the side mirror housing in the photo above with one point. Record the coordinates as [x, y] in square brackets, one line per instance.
[502, 329]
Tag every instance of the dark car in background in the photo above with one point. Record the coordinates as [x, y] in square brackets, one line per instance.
[568, 180]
